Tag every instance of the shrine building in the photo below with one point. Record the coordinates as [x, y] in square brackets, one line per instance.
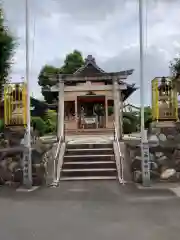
[91, 98]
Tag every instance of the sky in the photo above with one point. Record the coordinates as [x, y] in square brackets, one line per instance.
[106, 29]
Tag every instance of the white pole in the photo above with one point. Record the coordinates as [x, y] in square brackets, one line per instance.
[27, 176]
[144, 143]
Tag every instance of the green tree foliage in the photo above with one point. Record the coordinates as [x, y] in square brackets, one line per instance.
[147, 116]
[7, 45]
[175, 66]
[39, 125]
[72, 62]
[45, 74]
[51, 121]
[130, 122]
[45, 125]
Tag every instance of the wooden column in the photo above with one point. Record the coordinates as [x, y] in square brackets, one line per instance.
[106, 109]
[116, 106]
[61, 110]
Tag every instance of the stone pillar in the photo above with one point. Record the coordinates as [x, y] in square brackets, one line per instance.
[121, 113]
[76, 113]
[61, 110]
[116, 106]
[106, 110]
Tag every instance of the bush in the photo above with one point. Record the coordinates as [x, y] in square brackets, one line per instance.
[51, 121]
[39, 124]
[130, 122]
[51, 126]
[110, 110]
[1, 125]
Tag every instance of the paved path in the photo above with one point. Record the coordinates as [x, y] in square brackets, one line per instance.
[89, 210]
[89, 138]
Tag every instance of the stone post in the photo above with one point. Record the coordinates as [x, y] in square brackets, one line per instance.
[116, 106]
[106, 110]
[61, 109]
[121, 113]
[76, 113]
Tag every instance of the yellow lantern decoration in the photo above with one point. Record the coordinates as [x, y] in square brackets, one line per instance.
[164, 100]
[15, 104]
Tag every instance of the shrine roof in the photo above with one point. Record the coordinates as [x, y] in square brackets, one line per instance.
[130, 89]
[90, 71]
[99, 77]
[89, 62]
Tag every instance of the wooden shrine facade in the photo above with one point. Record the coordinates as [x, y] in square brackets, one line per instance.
[91, 98]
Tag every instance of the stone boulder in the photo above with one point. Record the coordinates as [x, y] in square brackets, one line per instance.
[168, 174]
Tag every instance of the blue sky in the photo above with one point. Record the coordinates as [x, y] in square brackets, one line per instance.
[107, 29]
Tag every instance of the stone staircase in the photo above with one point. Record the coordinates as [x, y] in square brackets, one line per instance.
[89, 132]
[89, 161]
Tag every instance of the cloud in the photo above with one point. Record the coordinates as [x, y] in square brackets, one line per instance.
[92, 11]
[107, 29]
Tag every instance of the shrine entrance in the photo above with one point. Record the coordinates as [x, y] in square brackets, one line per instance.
[91, 112]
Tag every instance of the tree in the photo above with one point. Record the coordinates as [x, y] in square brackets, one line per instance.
[7, 45]
[130, 122]
[45, 74]
[72, 62]
[147, 117]
[175, 66]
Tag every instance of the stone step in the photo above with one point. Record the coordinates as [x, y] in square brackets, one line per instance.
[89, 145]
[87, 151]
[89, 161]
[88, 158]
[100, 131]
[94, 172]
[88, 178]
[89, 165]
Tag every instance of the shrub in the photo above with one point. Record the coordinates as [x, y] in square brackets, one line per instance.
[51, 121]
[110, 110]
[1, 125]
[39, 124]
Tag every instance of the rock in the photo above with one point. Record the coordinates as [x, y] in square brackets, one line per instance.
[40, 174]
[12, 166]
[137, 176]
[176, 159]
[168, 173]
[177, 138]
[176, 154]
[3, 164]
[40, 147]
[151, 157]
[178, 146]
[136, 165]
[154, 175]
[162, 137]
[153, 138]
[153, 166]
[5, 175]
[138, 158]
[170, 137]
[162, 160]
[159, 154]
